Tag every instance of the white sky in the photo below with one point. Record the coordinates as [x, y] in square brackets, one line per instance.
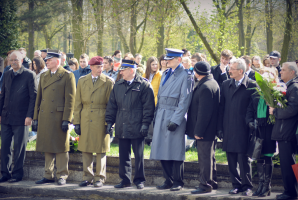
[204, 5]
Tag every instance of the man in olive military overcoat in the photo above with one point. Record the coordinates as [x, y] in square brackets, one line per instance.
[92, 97]
[53, 112]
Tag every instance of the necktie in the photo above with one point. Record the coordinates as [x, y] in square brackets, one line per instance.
[94, 80]
[52, 73]
[15, 73]
[236, 83]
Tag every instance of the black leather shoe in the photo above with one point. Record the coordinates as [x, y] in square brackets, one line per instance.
[14, 180]
[84, 183]
[176, 188]
[140, 186]
[44, 180]
[235, 191]
[61, 181]
[284, 196]
[247, 193]
[163, 187]
[122, 185]
[201, 191]
[3, 179]
[98, 184]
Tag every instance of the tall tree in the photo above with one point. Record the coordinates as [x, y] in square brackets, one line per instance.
[31, 31]
[269, 22]
[241, 43]
[98, 6]
[288, 31]
[9, 26]
[77, 27]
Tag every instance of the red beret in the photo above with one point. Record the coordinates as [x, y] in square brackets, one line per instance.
[97, 60]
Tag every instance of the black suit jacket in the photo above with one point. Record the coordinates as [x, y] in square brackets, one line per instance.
[203, 110]
[232, 112]
[218, 76]
[251, 75]
[17, 98]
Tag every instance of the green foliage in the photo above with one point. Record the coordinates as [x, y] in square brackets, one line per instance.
[8, 27]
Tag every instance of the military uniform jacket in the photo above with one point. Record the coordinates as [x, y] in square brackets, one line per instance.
[54, 104]
[130, 107]
[89, 112]
[174, 98]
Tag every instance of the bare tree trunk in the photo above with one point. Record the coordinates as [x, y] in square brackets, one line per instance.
[288, 31]
[77, 22]
[248, 35]
[31, 31]
[98, 13]
[199, 32]
[269, 32]
[65, 35]
[46, 37]
[133, 31]
[241, 42]
[160, 40]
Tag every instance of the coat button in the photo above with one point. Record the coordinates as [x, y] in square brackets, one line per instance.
[91, 110]
[51, 111]
[91, 101]
[41, 110]
[52, 100]
[90, 120]
[53, 89]
[43, 99]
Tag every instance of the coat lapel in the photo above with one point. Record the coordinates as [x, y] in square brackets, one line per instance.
[56, 77]
[171, 79]
[100, 81]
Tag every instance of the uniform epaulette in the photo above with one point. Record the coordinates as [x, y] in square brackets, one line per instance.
[83, 76]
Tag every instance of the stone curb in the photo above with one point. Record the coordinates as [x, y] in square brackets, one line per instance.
[108, 192]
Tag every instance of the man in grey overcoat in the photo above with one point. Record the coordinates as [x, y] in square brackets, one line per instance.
[168, 142]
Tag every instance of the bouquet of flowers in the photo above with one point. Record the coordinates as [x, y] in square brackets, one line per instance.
[73, 144]
[272, 91]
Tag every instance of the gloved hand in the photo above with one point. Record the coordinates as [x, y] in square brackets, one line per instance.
[252, 125]
[220, 134]
[64, 126]
[34, 125]
[77, 129]
[144, 130]
[172, 126]
[109, 129]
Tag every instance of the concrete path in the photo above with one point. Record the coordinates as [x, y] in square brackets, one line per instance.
[27, 189]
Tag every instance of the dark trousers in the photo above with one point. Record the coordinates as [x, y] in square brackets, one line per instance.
[287, 159]
[214, 171]
[125, 168]
[20, 134]
[244, 180]
[173, 172]
[205, 157]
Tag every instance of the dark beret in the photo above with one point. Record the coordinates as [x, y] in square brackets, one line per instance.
[97, 60]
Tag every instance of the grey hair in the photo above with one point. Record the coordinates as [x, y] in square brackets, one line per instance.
[292, 66]
[18, 54]
[240, 64]
[38, 51]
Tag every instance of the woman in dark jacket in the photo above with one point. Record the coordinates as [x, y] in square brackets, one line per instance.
[259, 110]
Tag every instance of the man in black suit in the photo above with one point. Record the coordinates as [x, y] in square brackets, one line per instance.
[221, 71]
[284, 131]
[202, 122]
[249, 71]
[17, 101]
[234, 99]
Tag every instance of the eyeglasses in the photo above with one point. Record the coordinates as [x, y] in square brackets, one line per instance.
[15, 60]
[234, 69]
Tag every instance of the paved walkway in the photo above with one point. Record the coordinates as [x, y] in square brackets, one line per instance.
[73, 191]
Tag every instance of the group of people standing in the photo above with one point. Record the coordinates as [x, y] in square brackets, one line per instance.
[188, 97]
